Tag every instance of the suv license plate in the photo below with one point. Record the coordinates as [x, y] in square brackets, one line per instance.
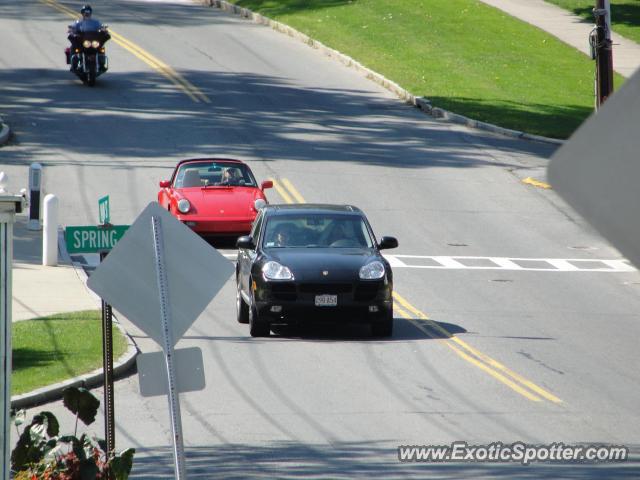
[326, 300]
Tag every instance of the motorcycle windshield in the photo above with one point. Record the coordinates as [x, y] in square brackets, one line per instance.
[89, 25]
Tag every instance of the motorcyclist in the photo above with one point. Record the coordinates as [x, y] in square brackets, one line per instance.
[85, 24]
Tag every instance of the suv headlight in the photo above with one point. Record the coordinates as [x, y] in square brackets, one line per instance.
[372, 271]
[183, 205]
[274, 271]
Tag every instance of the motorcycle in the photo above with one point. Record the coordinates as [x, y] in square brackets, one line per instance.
[87, 56]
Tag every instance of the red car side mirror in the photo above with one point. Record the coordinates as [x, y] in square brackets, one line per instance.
[165, 184]
[266, 184]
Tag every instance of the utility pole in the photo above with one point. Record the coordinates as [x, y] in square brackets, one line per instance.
[602, 51]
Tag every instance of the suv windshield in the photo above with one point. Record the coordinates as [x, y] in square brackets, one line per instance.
[317, 231]
[212, 174]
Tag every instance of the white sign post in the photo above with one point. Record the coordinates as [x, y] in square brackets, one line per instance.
[161, 276]
[167, 347]
[9, 206]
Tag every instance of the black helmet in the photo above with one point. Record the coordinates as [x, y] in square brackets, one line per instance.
[86, 9]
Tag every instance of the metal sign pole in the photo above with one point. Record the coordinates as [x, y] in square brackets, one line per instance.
[174, 399]
[107, 368]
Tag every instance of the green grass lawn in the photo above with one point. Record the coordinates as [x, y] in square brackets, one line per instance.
[625, 14]
[461, 54]
[50, 349]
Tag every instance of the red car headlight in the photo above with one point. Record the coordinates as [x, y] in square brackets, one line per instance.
[258, 204]
[183, 205]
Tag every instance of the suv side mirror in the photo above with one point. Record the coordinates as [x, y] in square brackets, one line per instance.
[165, 184]
[266, 184]
[388, 242]
[246, 242]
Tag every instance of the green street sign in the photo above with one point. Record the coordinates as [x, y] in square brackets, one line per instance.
[89, 239]
[103, 210]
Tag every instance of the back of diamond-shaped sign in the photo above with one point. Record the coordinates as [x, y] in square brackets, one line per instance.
[598, 170]
[127, 279]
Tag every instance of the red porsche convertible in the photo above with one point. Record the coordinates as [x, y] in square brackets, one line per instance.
[214, 196]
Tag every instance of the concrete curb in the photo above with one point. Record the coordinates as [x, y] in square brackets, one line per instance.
[5, 132]
[419, 102]
[91, 379]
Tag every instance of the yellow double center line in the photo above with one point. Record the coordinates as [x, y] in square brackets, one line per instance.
[165, 70]
[484, 362]
[497, 370]
[287, 191]
[185, 85]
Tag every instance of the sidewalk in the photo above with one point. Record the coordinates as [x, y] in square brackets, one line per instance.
[570, 29]
[39, 291]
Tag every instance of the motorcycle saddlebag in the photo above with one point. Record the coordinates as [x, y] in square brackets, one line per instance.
[67, 54]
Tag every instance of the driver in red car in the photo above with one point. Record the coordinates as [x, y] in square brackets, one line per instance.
[231, 176]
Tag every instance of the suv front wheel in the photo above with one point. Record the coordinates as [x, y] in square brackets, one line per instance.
[256, 327]
[242, 309]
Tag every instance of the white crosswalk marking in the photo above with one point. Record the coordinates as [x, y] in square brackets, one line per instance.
[563, 265]
[395, 262]
[505, 263]
[440, 262]
[448, 262]
[622, 265]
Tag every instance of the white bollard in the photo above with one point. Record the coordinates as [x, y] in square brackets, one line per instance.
[50, 231]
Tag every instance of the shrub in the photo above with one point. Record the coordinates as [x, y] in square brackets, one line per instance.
[43, 454]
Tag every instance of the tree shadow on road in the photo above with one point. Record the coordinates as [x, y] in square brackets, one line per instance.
[119, 14]
[141, 115]
[340, 460]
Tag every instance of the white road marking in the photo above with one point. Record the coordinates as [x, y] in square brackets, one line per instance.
[505, 263]
[395, 262]
[515, 264]
[563, 265]
[620, 264]
[448, 262]
[439, 262]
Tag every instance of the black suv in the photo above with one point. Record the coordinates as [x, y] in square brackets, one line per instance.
[307, 263]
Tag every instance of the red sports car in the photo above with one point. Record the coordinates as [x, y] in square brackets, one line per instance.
[214, 196]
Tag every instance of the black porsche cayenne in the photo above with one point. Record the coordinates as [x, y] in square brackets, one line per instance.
[306, 263]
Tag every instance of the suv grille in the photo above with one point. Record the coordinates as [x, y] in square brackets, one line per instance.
[328, 288]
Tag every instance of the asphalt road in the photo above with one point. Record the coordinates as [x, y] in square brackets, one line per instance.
[536, 351]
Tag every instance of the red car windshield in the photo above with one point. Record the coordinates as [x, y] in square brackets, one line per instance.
[213, 174]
